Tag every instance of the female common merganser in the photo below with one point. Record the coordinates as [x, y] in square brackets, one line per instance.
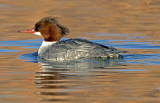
[55, 50]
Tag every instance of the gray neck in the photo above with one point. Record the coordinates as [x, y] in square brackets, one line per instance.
[44, 46]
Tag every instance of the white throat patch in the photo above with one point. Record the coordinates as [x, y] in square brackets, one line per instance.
[44, 47]
[37, 33]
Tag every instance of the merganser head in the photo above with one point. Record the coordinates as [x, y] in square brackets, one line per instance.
[49, 28]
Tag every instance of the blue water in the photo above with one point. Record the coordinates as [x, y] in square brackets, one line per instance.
[8, 50]
[144, 59]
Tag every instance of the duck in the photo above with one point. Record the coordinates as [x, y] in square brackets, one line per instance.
[55, 49]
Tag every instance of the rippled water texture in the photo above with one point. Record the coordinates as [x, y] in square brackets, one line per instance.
[130, 25]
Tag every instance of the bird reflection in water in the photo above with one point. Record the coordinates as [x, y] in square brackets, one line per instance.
[64, 81]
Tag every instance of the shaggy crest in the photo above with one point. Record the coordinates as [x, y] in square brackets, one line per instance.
[52, 20]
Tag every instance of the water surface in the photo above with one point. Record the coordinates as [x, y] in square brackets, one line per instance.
[128, 25]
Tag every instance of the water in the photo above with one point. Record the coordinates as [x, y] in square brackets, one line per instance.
[128, 25]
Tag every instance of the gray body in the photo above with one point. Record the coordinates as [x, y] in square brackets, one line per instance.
[76, 48]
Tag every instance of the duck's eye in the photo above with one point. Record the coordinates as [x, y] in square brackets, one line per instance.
[37, 28]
